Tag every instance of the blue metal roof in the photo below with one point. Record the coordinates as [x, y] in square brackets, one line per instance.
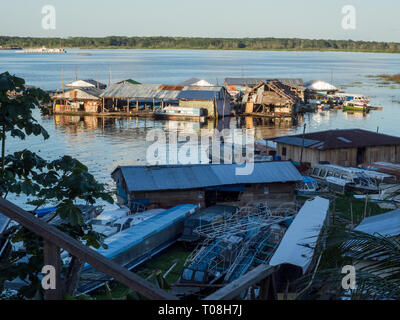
[173, 177]
[198, 95]
[385, 224]
[124, 240]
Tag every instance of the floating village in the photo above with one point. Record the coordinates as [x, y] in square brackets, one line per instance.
[220, 235]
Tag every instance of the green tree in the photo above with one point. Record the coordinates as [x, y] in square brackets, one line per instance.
[64, 182]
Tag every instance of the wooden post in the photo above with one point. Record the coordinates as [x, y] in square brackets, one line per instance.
[52, 258]
[351, 212]
[102, 107]
[127, 107]
[302, 145]
[365, 206]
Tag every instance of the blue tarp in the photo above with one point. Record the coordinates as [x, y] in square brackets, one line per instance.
[45, 211]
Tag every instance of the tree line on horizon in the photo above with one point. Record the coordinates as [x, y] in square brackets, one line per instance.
[200, 43]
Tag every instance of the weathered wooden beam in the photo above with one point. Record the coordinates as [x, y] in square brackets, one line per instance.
[234, 288]
[75, 248]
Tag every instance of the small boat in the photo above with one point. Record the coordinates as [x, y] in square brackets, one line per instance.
[309, 187]
[181, 113]
[356, 179]
[355, 106]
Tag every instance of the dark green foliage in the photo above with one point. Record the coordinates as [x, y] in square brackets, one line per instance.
[203, 43]
[62, 182]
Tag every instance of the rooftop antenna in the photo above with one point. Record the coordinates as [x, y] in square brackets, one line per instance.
[217, 81]
[109, 76]
[97, 80]
[76, 73]
[332, 77]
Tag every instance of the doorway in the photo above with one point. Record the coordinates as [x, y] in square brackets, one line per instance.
[360, 155]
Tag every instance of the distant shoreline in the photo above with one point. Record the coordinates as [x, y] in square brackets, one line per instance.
[186, 43]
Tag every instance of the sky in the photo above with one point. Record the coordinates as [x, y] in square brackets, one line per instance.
[311, 19]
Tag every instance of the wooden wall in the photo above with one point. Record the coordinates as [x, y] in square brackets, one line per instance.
[275, 193]
[171, 198]
[343, 157]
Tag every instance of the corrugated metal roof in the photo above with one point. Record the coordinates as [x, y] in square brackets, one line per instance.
[158, 91]
[385, 224]
[126, 239]
[298, 243]
[198, 95]
[82, 93]
[337, 139]
[296, 141]
[173, 177]
[254, 81]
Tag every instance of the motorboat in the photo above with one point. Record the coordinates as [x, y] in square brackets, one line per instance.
[309, 187]
[356, 179]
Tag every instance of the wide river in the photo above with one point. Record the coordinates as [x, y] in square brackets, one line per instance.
[103, 145]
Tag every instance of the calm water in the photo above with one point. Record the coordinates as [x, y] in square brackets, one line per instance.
[104, 144]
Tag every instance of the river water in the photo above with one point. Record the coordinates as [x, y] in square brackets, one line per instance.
[103, 144]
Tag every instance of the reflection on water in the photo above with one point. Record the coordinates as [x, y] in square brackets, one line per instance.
[104, 143]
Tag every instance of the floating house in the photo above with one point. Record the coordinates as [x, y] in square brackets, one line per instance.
[150, 97]
[271, 98]
[85, 99]
[86, 83]
[215, 99]
[242, 85]
[348, 147]
[206, 184]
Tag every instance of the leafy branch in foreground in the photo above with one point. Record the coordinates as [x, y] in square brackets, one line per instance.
[65, 182]
[377, 260]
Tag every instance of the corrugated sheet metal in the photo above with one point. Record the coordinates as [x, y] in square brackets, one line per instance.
[254, 81]
[198, 95]
[298, 243]
[296, 141]
[173, 177]
[156, 91]
[137, 234]
[385, 224]
[343, 138]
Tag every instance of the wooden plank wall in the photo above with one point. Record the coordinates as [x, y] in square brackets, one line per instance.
[343, 157]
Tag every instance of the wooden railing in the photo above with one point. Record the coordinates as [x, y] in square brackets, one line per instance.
[262, 276]
[55, 239]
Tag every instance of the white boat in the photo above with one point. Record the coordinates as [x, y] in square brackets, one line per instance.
[308, 187]
[43, 50]
[356, 179]
[181, 113]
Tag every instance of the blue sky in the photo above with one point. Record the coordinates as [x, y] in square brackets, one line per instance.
[315, 19]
